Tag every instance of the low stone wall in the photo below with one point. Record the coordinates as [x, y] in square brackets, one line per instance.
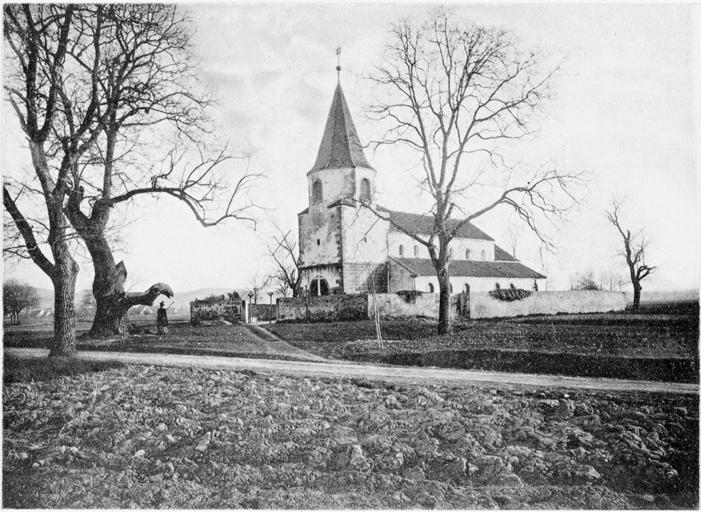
[263, 312]
[483, 305]
[425, 304]
[324, 308]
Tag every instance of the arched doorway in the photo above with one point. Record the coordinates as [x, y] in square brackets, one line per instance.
[318, 286]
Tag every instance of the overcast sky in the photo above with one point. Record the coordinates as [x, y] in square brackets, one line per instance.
[622, 109]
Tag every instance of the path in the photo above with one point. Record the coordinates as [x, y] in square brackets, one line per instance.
[411, 375]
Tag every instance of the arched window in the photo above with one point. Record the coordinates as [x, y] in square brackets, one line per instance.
[497, 286]
[365, 190]
[401, 250]
[512, 286]
[430, 287]
[317, 191]
[483, 255]
[450, 253]
[467, 288]
[318, 287]
[416, 251]
[467, 254]
[451, 287]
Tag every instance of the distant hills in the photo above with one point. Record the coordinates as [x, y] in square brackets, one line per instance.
[182, 300]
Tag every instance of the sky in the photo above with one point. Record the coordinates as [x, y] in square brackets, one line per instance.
[622, 110]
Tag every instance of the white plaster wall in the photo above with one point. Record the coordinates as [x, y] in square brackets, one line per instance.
[364, 236]
[479, 284]
[458, 245]
[483, 305]
[336, 183]
[363, 172]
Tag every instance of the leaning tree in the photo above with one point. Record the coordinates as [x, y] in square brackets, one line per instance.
[452, 93]
[130, 120]
[634, 248]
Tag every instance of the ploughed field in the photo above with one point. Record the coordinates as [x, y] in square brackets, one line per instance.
[105, 435]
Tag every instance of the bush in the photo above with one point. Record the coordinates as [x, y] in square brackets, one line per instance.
[510, 294]
[409, 296]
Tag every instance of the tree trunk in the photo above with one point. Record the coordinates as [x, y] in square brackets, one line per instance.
[111, 301]
[636, 295]
[64, 313]
[444, 300]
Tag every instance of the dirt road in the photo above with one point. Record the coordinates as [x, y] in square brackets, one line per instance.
[373, 372]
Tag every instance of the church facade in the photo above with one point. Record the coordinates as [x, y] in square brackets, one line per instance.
[346, 248]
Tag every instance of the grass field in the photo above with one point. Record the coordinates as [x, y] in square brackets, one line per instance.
[650, 336]
[94, 436]
[645, 345]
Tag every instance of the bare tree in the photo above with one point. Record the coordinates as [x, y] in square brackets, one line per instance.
[257, 284]
[285, 254]
[124, 96]
[454, 91]
[634, 247]
[37, 38]
[514, 235]
[16, 297]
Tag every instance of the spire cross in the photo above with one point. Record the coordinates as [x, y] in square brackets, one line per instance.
[338, 63]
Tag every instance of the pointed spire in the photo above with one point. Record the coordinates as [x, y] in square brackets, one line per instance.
[340, 145]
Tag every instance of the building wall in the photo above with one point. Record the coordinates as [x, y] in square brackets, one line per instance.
[458, 245]
[336, 183]
[320, 236]
[483, 305]
[479, 284]
[332, 273]
[399, 278]
[364, 277]
[364, 235]
[326, 308]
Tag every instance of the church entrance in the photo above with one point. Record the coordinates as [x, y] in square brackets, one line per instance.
[318, 286]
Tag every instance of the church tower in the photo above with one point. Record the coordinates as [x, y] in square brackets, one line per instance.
[334, 230]
[341, 170]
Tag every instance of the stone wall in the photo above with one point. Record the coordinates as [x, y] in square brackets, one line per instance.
[324, 308]
[262, 312]
[483, 305]
[424, 304]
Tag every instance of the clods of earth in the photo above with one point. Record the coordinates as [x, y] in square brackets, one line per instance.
[153, 437]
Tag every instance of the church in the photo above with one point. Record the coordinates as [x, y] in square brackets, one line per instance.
[345, 248]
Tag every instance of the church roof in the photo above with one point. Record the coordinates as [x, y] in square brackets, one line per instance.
[340, 145]
[469, 268]
[423, 225]
[501, 255]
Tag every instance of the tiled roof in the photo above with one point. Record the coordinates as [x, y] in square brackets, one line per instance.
[423, 225]
[340, 144]
[469, 268]
[501, 255]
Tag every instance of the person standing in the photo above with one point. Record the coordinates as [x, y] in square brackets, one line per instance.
[162, 320]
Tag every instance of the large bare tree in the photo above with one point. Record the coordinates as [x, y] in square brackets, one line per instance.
[634, 248]
[130, 121]
[453, 92]
[38, 39]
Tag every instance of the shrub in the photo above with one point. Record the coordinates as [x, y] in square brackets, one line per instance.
[409, 296]
[510, 294]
